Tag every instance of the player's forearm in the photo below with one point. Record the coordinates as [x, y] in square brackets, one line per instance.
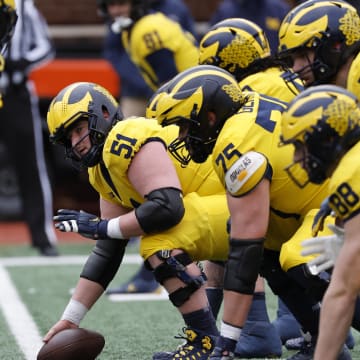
[87, 292]
[335, 320]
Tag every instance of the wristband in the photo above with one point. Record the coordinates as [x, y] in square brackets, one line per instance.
[113, 229]
[74, 312]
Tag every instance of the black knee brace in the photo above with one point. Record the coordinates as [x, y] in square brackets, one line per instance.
[175, 266]
[242, 267]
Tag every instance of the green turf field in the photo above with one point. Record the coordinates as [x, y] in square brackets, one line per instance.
[133, 329]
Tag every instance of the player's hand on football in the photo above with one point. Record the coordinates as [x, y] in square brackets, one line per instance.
[88, 225]
[325, 248]
[59, 326]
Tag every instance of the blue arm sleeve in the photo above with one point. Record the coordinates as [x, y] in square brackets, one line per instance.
[163, 64]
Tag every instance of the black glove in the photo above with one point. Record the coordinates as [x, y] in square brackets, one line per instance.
[88, 225]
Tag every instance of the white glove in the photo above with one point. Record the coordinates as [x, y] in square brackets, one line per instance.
[326, 247]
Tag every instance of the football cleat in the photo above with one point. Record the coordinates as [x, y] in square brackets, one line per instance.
[307, 350]
[198, 346]
[296, 343]
[223, 349]
[220, 354]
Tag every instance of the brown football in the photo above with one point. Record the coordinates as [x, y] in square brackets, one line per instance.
[73, 344]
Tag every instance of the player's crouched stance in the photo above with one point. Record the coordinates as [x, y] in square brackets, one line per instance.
[323, 125]
[180, 213]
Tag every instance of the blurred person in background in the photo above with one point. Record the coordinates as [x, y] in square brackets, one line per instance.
[21, 126]
[8, 19]
[134, 90]
[267, 14]
[157, 45]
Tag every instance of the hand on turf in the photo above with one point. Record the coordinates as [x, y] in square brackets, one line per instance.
[88, 225]
[326, 248]
[59, 326]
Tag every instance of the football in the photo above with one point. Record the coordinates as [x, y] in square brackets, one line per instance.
[73, 344]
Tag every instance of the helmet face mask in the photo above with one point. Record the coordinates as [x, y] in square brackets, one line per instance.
[8, 19]
[191, 146]
[315, 156]
[78, 102]
[331, 29]
[198, 100]
[322, 123]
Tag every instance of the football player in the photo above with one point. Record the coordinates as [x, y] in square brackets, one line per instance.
[241, 47]
[180, 213]
[157, 45]
[134, 90]
[323, 125]
[267, 208]
[320, 39]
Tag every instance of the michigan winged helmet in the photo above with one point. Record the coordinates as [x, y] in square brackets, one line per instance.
[198, 100]
[331, 29]
[234, 44]
[79, 101]
[323, 123]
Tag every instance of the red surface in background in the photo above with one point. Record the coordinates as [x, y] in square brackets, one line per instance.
[58, 73]
[18, 233]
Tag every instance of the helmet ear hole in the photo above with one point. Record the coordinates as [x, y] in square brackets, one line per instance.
[105, 112]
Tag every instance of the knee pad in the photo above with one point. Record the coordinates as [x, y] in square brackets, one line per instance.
[242, 267]
[175, 266]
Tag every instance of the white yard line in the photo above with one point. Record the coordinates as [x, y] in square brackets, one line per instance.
[59, 260]
[19, 320]
[162, 295]
[16, 314]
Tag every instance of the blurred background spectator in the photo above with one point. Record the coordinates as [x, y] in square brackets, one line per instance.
[134, 91]
[21, 126]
